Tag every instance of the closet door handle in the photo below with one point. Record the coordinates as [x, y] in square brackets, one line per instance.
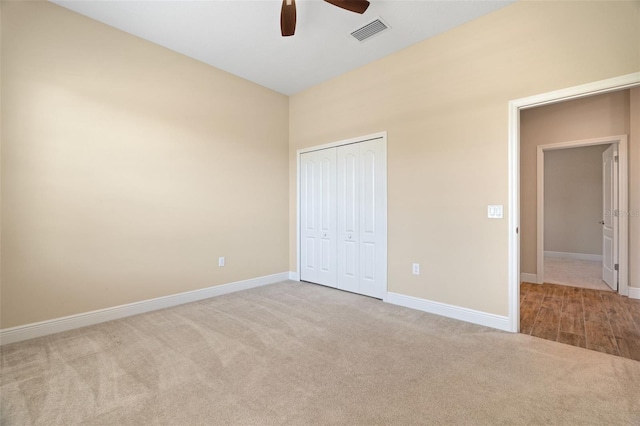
[349, 236]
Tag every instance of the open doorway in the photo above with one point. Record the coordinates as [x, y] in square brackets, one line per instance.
[581, 187]
[601, 322]
[571, 136]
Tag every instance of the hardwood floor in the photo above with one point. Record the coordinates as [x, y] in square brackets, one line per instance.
[593, 319]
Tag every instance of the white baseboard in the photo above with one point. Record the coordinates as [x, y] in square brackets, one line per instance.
[528, 278]
[294, 276]
[577, 256]
[44, 328]
[634, 293]
[451, 311]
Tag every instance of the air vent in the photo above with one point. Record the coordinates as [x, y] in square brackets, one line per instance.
[370, 29]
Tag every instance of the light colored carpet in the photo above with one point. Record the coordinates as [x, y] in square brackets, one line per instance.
[574, 272]
[302, 354]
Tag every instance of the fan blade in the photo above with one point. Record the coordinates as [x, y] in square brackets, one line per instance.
[288, 18]
[357, 6]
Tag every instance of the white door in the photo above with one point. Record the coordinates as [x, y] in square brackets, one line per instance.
[610, 216]
[318, 217]
[348, 217]
[361, 212]
[372, 210]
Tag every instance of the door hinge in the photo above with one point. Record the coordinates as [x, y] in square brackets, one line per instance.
[615, 158]
[615, 267]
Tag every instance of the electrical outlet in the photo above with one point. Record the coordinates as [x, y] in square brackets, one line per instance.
[416, 269]
[221, 261]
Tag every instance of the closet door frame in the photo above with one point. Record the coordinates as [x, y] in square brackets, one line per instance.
[381, 135]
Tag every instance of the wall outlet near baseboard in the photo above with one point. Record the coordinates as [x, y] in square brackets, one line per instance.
[221, 261]
[416, 269]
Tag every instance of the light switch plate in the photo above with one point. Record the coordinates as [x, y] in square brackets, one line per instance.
[494, 212]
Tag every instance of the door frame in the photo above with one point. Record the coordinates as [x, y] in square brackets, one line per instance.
[383, 219]
[623, 203]
[603, 86]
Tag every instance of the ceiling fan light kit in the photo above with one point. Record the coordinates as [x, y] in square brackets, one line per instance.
[288, 12]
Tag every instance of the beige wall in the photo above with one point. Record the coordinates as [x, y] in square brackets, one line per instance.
[573, 200]
[444, 104]
[127, 169]
[586, 118]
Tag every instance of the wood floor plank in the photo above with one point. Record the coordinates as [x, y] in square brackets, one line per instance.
[570, 322]
[634, 304]
[545, 331]
[535, 298]
[588, 294]
[550, 312]
[636, 318]
[613, 303]
[546, 324]
[529, 309]
[531, 303]
[600, 338]
[594, 319]
[573, 292]
[528, 313]
[526, 322]
[619, 313]
[537, 288]
[573, 306]
[554, 290]
[629, 348]
[594, 311]
[623, 325]
[634, 309]
[571, 339]
[552, 302]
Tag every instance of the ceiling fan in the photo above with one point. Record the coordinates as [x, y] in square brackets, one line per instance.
[288, 13]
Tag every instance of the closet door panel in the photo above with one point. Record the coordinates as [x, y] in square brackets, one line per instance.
[368, 261]
[318, 217]
[371, 253]
[348, 217]
[326, 206]
[307, 218]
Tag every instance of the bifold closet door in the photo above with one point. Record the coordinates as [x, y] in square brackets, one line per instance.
[318, 217]
[360, 206]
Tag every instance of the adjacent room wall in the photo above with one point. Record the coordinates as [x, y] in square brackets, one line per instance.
[128, 169]
[573, 200]
[444, 103]
[586, 118]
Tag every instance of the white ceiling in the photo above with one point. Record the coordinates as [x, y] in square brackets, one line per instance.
[243, 36]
